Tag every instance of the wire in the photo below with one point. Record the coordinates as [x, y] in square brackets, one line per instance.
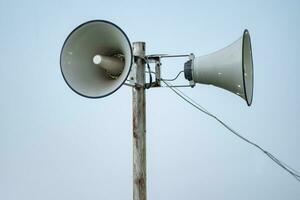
[147, 86]
[172, 85]
[150, 76]
[173, 79]
[168, 56]
[283, 165]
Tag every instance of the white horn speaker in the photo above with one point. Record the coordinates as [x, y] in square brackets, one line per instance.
[230, 68]
[96, 59]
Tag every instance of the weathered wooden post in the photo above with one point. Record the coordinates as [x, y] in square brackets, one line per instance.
[139, 123]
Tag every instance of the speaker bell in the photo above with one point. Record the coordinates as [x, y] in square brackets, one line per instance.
[96, 59]
[230, 68]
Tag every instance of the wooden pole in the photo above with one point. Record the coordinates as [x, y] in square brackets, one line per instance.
[139, 124]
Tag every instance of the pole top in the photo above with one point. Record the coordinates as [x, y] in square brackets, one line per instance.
[139, 49]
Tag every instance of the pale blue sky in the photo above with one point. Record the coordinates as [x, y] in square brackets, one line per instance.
[55, 144]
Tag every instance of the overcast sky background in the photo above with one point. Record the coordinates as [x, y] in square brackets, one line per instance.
[55, 144]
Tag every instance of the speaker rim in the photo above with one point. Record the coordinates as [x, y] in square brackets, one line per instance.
[131, 59]
[249, 101]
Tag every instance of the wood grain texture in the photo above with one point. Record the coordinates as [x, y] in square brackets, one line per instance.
[139, 126]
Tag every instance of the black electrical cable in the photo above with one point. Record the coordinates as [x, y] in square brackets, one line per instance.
[286, 167]
[150, 76]
[148, 85]
[173, 79]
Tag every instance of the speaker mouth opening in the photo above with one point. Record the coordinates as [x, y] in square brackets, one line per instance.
[86, 41]
[247, 69]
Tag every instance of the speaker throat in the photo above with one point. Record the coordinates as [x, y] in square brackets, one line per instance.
[112, 65]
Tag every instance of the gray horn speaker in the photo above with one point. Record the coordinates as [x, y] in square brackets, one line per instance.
[96, 59]
[230, 68]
